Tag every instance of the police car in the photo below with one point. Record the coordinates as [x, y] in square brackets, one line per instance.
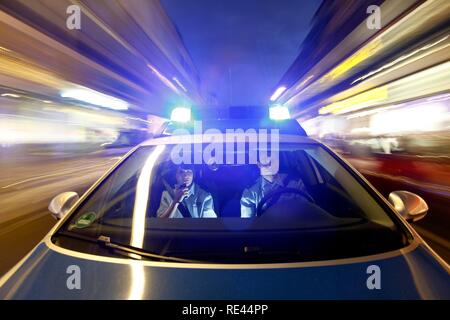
[287, 219]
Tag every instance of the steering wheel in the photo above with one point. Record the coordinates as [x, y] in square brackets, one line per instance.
[275, 195]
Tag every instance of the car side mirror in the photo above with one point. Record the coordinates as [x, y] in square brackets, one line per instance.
[409, 205]
[62, 203]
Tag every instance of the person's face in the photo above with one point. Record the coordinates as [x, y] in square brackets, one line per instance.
[266, 170]
[184, 176]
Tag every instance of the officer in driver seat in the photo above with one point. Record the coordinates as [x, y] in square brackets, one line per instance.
[187, 199]
[267, 183]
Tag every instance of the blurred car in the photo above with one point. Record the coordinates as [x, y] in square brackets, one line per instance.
[336, 239]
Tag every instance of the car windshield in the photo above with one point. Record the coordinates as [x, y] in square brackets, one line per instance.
[296, 203]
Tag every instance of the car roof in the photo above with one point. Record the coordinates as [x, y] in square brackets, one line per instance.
[288, 126]
[209, 137]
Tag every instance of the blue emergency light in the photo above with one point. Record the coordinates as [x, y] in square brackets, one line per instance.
[278, 112]
[181, 114]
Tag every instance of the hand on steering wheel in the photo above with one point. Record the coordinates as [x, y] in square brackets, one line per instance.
[275, 195]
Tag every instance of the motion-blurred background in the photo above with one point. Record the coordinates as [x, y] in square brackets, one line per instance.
[73, 101]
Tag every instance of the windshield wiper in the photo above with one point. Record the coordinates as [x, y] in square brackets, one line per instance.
[106, 242]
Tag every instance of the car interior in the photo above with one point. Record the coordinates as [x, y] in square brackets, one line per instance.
[226, 184]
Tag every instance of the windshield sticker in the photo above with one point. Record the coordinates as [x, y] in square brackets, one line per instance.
[86, 220]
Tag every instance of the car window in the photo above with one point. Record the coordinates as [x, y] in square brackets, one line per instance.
[313, 209]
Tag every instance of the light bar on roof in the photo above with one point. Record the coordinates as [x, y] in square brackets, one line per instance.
[181, 114]
[279, 113]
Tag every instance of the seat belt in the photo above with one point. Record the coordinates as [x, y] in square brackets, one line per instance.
[183, 210]
[277, 198]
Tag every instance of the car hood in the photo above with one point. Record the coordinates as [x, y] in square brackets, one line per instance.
[49, 274]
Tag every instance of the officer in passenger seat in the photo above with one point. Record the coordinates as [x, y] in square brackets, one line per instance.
[187, 199]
